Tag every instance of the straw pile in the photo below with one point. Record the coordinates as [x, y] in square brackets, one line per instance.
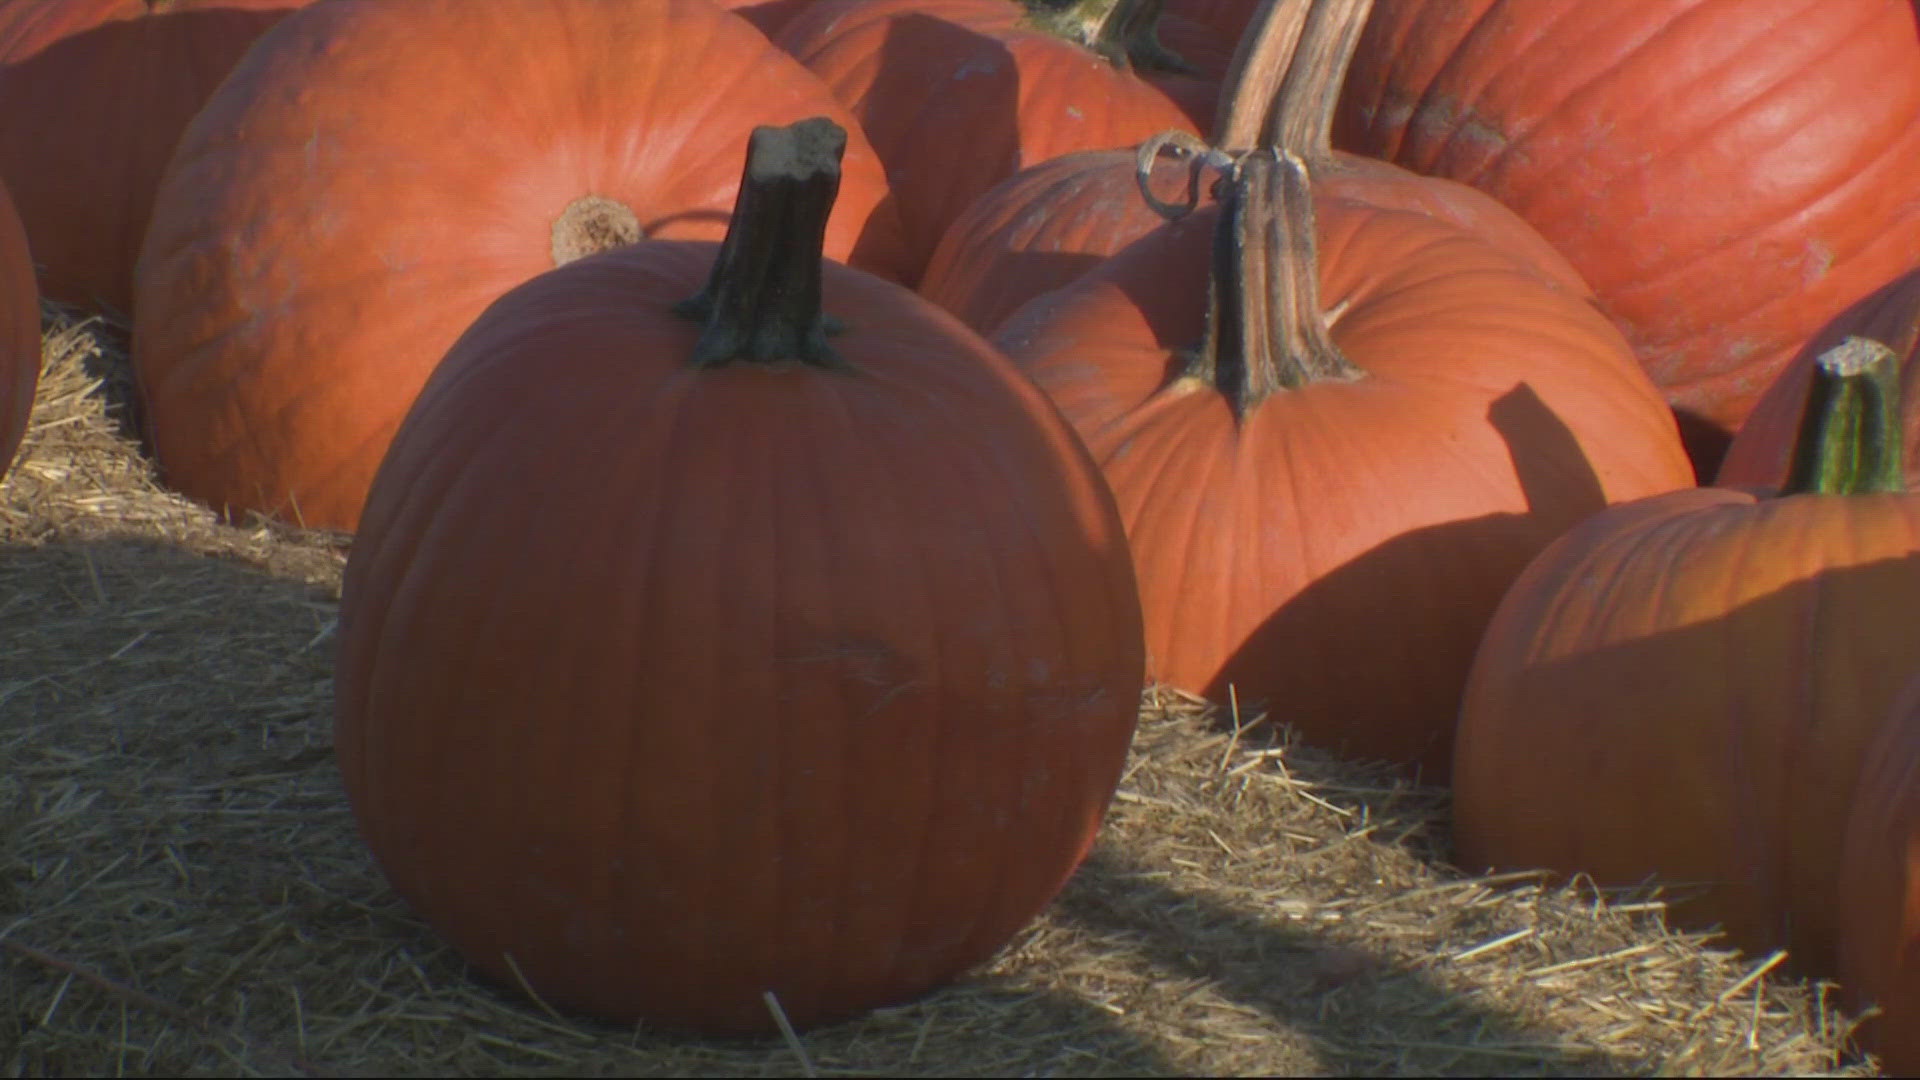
[182, 890]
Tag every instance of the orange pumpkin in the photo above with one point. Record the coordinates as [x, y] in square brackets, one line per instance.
[693, 651]
[1880, 892]
[19, 332]
[374, 174]
[1325, 509]
[1683, 687]
[95, 94]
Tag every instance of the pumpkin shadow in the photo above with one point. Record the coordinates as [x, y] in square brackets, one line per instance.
[42, 111]
[1334, 993]
[1370, 615]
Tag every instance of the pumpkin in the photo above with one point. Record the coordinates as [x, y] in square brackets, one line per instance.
[1880, 892]
[957, 95]
[1324, 509]
[768, 16]
[374, 174]
[1049, 224]
[19, 332]
[96, 93]
[1761, 453]
[1728, 175]
[691, 651]
[1683, 687]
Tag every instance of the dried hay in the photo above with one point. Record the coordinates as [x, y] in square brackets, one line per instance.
[182, 890]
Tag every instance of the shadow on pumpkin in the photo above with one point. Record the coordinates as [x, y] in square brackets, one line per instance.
[1647, 756]
[1388, 637]
[92, 230]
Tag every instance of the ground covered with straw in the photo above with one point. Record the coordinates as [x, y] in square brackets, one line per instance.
[182, 890]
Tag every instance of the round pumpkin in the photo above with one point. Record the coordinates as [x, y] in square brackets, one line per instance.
[1683, 687]
[19, 332]
[1324, 509]
[372, 175]
[1728, 175]
[957, 95]
[694, 651]
[1880, 892]
[1761, 453]
[96, 93]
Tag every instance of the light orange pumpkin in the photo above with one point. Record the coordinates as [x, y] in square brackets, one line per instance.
[374, 174]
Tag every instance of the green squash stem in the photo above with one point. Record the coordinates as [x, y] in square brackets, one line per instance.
[762, 303]
[1850, 434]
[1125, 32]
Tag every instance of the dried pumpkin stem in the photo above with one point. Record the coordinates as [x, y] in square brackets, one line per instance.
[763, 301]
[1301, 119]
[1850, 434]
[1265, 330]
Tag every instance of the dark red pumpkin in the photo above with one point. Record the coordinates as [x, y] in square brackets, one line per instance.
[95, 95]
[1727, 174]
[1683, 688]
[681, 663]
[1880, 892]
[374, 174]
[19, 333]
[957, 95]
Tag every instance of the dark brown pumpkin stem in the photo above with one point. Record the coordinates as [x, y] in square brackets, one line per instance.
[1265, 330]
[763, 301]
[1850, 434]
[1126, 32]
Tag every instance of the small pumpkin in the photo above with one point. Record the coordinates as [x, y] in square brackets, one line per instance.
[696, 650]
[1337, 429]
[19, 332]
[1880, 892]
[372, 175]
[957, 95]
[96, 93]
[1728, 175]
[1684, 687]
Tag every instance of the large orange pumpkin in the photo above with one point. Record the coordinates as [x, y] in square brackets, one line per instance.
[1880, 892]
[685, 657]
[1683, 687]
[95, 94]
[1727, 174]
[957, 95]
[374, 174]
[19, 332]
[1325, 509]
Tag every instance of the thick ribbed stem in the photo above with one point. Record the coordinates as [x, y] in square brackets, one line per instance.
[1850, 434]
[763, 301]
[1265, 330]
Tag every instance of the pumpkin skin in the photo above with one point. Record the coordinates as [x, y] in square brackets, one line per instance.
[785, 677]
[96, 93]
[1880, 892]
[1684, 686]
[19, 333]
[1729, 175]
[1344, 529]
[957, 95]
[1760, 453]
[315, 247]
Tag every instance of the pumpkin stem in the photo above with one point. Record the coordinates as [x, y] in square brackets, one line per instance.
[763, 301]
[1265, 330]
[1126, 32]
[1850, 434]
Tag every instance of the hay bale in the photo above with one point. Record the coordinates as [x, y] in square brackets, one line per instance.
[182, 889]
